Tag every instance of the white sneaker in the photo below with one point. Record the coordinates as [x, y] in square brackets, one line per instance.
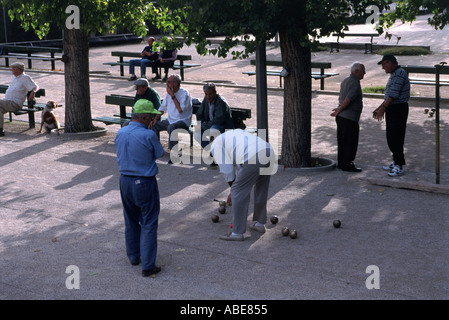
[396, 171]
[389, 167]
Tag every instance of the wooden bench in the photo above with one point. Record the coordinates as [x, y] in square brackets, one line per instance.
[29, 53]
[321, 75]
[239, 115]
[121, 54]
[26, 109]
[368, 45]
[426, 70]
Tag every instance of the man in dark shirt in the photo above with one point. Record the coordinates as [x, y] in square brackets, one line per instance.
[213, 114]
[166, 60]
[144, 91]
[148, 58]
[347, 116]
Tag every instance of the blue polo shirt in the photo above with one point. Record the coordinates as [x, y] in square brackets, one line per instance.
[137, 150]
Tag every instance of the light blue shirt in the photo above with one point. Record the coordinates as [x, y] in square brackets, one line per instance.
[137, 150]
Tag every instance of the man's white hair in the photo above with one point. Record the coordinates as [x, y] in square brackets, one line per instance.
[356, 66]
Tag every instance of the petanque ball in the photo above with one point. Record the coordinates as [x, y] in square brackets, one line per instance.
[293, 234]
[222, 210]
[285, 231]
[274, 219]
[337, 224]
[215, 218]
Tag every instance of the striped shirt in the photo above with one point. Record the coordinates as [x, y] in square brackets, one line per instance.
[398, 86]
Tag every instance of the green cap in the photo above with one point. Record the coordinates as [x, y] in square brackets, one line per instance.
[144, 106]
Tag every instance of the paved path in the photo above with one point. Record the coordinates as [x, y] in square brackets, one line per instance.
[60, 207]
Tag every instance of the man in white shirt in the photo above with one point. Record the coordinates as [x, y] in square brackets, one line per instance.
[178, 106]
[246, 161]
[17, 91]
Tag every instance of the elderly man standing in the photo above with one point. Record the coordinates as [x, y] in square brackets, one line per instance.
[247, 162]
[138, 147]
[16, 94]
[347, 116]
[395, 109]
[178, 106]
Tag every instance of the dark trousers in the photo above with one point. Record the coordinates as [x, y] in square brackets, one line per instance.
[347, 140]
[396, 120]
[141, 206]
[166, 65]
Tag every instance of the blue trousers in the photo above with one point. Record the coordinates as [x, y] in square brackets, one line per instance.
[141, 206]
[143, 63]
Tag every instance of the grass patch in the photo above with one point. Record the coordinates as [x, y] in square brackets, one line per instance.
[375, 89]
[379, 89]
[405, 51]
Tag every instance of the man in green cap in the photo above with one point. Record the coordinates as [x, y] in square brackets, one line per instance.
[137, 148]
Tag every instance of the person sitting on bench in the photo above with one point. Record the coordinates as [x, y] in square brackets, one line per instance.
[16, 94]
[178, 106]
[166, 60]
[148, 58]
[214, 114]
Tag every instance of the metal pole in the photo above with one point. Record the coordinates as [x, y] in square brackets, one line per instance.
[437, 123]
[261, 89]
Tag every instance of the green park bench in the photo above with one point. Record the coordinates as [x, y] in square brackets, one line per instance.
[321, 75]
[430, 70]
[27, 109]
[10, 51]
[122, 63]
[239, 115]
[368, 45]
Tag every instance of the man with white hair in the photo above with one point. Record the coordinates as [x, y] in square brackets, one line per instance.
[16, 94]
[347, 116]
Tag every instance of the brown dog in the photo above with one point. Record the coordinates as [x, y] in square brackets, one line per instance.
[49, 120]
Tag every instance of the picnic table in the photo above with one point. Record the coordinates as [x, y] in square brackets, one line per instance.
[29, 53]
[122, 63]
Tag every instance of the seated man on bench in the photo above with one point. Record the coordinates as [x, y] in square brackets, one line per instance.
[16, 94]
[178, 106]
[148, 58]
[166, 60]
[214, 114]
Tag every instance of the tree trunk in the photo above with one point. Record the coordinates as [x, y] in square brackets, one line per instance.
[77, 86]
[297, 123]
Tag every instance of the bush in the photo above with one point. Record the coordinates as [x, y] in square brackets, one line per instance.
[405, 51]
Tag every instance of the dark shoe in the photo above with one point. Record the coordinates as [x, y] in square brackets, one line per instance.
[165, 79]
[351, 168]
[132, 78]
[2, 133]
[135, 263]
[157, 77]
[169, 162]
[147, 273]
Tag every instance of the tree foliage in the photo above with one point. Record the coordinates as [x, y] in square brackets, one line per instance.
[407, 10]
